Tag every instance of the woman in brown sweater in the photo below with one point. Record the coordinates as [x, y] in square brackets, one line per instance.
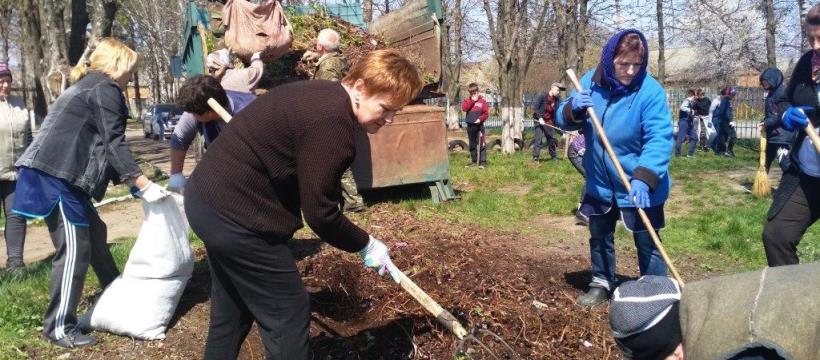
[281, 157]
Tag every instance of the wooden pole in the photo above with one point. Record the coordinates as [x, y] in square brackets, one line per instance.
[219, 110]
[625, 180]
[812, 133]
[443, 316]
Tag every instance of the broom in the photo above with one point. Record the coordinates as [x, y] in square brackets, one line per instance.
[761, 186]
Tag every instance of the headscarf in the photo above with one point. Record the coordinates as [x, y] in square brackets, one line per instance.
[607, 64]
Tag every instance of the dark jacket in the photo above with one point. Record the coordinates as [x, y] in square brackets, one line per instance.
[540, 110]
[276, 163]
[701, 106]
[799, 92]
[82, 139]
[724, 113]
[775, 99]
[476, 110]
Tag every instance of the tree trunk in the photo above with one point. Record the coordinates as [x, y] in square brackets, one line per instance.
[803, 9]
[79, 23]
[768, 11]
[104, 18]
[32, 37]
[367, 9]
[581, 34]
[661, 43]
[452, 59]
[57, 76]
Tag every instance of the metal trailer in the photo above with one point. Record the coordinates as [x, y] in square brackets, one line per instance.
[411, 150]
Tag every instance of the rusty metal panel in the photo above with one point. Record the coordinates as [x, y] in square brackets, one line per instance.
[413, 149]
[414, 29]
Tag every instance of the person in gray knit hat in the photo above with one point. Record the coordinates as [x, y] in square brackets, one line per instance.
[770, 314]
[644, 318]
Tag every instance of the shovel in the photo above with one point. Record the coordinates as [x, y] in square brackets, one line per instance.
[605, 141]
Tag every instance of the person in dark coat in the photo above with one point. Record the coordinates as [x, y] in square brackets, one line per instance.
[79, 150]
[701, 110]
[778, 139]
[686, 126]
[273, 169]
[544, 121]
[796, 203]
[724, 117]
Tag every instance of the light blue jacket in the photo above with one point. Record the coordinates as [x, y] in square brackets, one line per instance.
[639, 128]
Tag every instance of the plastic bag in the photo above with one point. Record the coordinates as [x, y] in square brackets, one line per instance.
[141, 302]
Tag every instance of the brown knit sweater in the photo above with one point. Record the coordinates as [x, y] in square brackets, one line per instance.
[283, 153]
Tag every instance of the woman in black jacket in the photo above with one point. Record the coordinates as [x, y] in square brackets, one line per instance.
[80, 149]
[796, 203]
[779, 139]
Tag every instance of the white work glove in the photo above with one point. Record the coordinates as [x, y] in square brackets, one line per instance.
[152, 193]
[541, 121]
[732, 123]
[176, 183]
[256, 56]
[375, 255]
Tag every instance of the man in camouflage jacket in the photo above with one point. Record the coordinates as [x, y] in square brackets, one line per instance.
[332, 65]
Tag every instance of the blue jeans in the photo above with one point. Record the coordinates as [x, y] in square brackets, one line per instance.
[717, 142]
[686, 128]
[602, 250]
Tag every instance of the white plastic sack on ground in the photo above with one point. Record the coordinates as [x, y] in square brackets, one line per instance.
[141, 302]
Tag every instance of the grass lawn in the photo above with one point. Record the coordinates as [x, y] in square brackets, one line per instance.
[709, 217]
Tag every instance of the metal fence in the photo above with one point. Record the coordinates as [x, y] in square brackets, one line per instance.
[748, 108]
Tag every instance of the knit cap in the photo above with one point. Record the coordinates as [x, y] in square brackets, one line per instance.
[644, 317]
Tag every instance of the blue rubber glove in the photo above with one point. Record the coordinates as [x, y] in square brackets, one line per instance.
[375, 255]
[639, 194]
[795, 117]
[581, 101]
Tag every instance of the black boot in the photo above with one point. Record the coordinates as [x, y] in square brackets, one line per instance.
[15, 265]
[73, 339]
[594, 296]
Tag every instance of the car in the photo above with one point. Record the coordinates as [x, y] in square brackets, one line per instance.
[169, 114]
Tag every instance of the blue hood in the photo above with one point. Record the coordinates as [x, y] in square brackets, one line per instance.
[605, 74]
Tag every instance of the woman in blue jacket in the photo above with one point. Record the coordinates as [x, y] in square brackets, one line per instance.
[633, 112]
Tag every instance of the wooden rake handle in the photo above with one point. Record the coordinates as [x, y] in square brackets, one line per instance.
[648, 224]
[219, 110]
[812, 133]
[443, 316]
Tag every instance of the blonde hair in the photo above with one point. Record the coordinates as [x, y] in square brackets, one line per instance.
[387, 73]
[110, 56]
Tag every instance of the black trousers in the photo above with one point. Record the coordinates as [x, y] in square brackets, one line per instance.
[15, 232]
[478, 147]
[76, 247]
[729, 136]
[799, 208]
[771, 154]
[253, 278]
[542, 132]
